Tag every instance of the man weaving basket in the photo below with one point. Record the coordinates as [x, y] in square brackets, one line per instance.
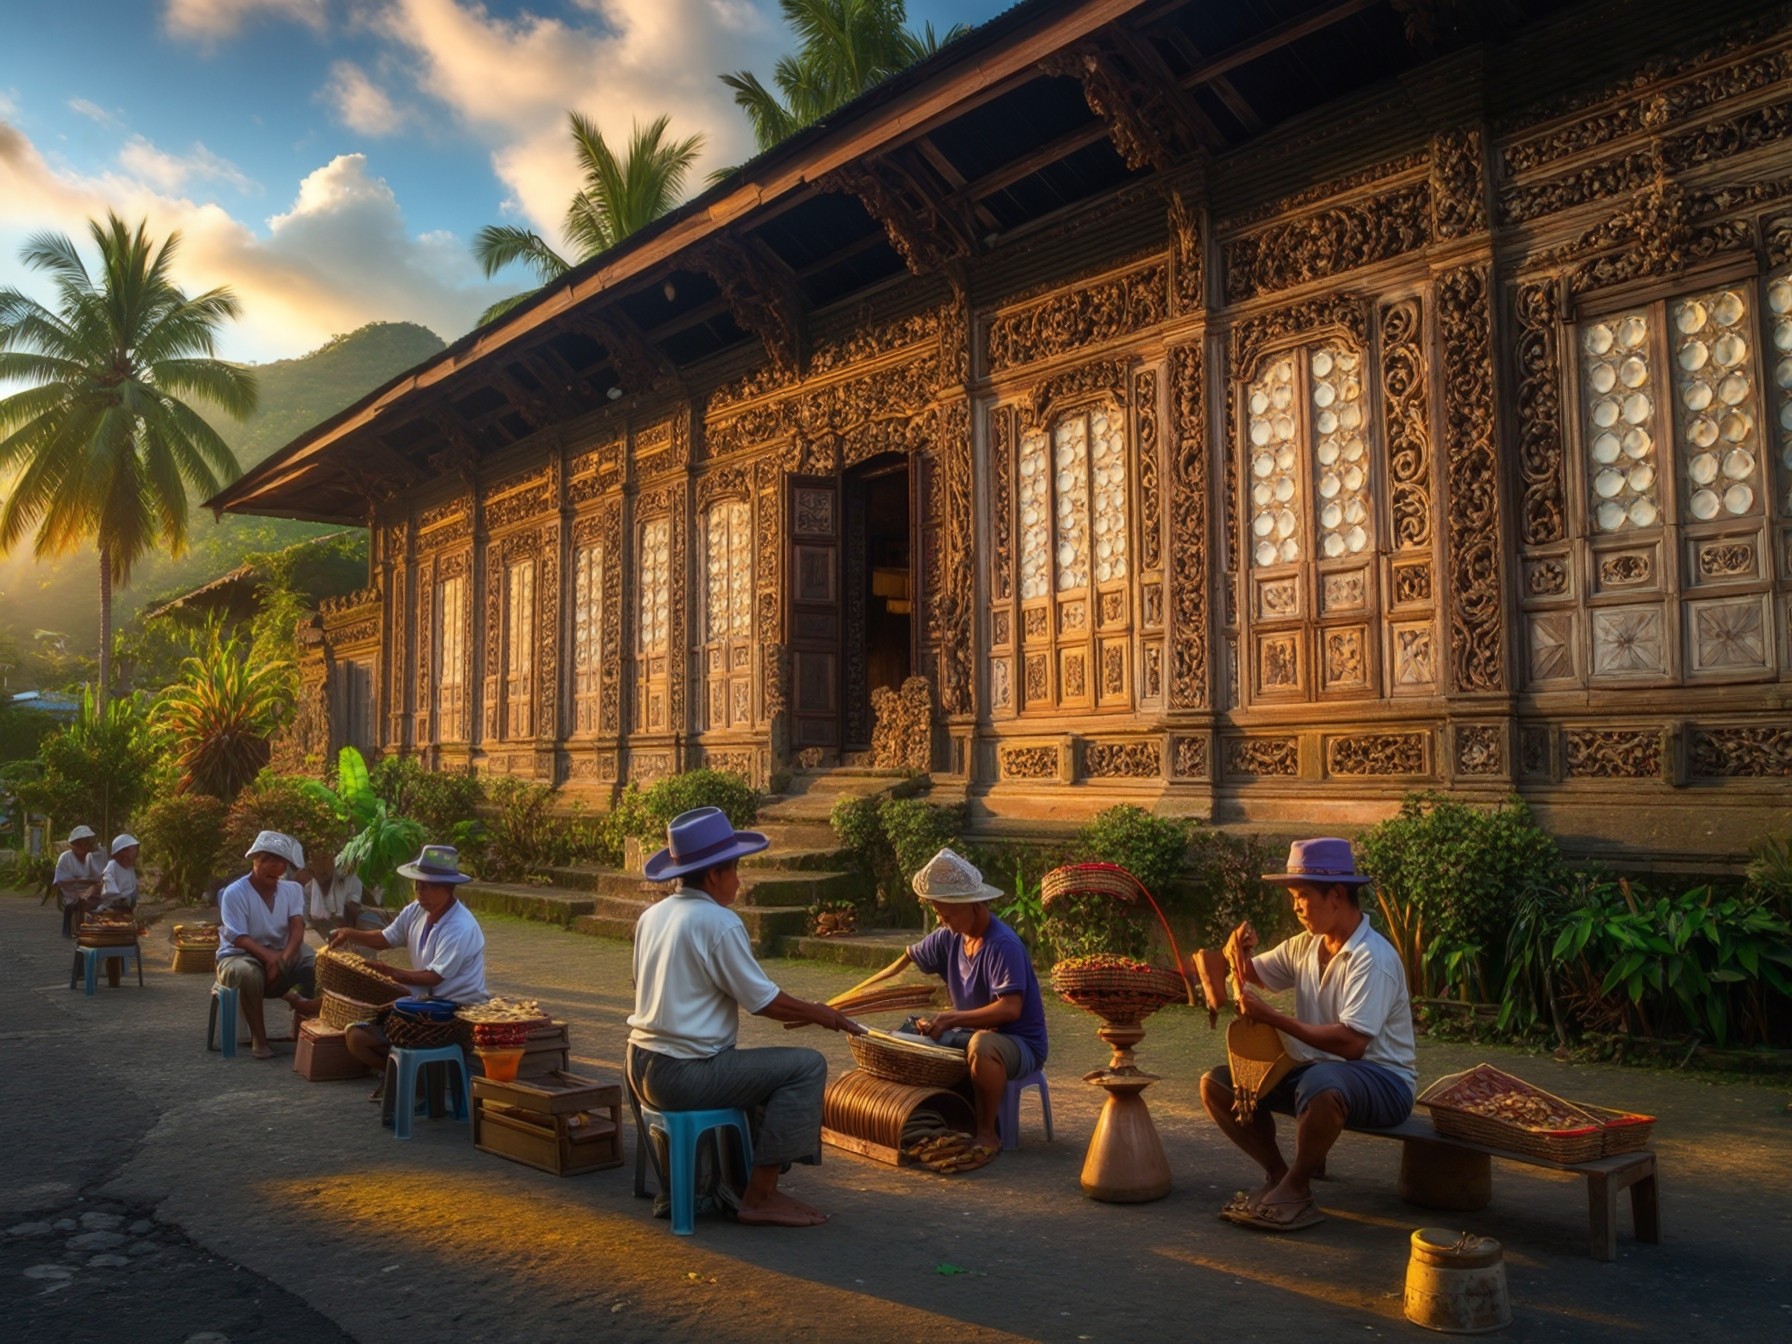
[1350, 1037]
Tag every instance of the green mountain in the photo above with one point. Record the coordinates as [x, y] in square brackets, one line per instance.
[63, 594]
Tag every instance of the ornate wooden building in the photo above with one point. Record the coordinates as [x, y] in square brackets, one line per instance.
[1255, 410]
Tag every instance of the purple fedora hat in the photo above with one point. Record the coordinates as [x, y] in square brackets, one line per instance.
[1320, 863]
[699, 839]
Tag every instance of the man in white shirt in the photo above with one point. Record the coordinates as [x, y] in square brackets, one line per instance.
[79, 870]
[1350, 1035]
[694, 971]
[446, 944]
[261, 938]
[328, 893]
[118, 883]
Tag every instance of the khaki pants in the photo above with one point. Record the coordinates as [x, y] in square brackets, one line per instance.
[245, 974]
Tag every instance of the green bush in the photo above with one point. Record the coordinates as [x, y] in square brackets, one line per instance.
[1452, 877]
[441, 800]
[892, 839]
[1152, 849]
[281, 803]
[522, 832]
[181, 835]
[1225, 887]
[1770, 875]
[98, 770]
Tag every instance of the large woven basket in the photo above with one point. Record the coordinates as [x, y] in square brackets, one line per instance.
[339, 1011]
[347, 974]
[1625, 1131]
[1580, 1140]
[1090, 879]
[1124, 995]
[415, 1033]
[917, 1065]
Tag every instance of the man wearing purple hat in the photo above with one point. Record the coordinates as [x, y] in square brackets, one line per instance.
[694, 971]
[1350, 1035]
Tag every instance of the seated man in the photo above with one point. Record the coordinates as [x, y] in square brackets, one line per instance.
[694, 971]
[446, 944]
[997, 1012]
[1351, 1035]
[261, 938]
[79, 870]
[329, 894]
[118, 883]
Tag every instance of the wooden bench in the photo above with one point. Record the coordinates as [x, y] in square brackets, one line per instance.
[1605, 1177]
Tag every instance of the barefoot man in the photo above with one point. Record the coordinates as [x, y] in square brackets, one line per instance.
[261, 936]
[1351, 1035]
[694, 971]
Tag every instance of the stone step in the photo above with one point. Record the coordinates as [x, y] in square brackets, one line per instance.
[768, 927]
[549, 904]
[875, 949]
[759, 886]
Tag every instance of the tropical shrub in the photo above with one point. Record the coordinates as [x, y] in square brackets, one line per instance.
[891, 840]
[219, 716]
[1223, 877]
[379, 839]
[643, 813]
[1152, 849]
[442, 800]
[1770, 875]
[181, 834]
[521, 832]
[300, 808]
[98, 770]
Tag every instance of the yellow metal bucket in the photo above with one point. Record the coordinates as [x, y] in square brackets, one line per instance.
[1456, 1283]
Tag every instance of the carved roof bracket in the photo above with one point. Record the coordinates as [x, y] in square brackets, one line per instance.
[761, 294]
[378, 475]
[1149, 122]
[533, 405]
[637, 363]
[461, 457]
[930, 230]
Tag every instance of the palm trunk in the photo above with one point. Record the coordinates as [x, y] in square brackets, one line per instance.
[105, 626]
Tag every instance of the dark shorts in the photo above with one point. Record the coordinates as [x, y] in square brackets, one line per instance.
[1374, 1097]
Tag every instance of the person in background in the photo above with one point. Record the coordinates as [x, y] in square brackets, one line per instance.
[79, 874]
[329, 893]
[118, 884]
[261, 938]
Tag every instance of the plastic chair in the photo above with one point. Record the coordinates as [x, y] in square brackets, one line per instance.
[414, 1067]
[91, 957]
[682, 1130]
[1008, 1123]
[224, 1002]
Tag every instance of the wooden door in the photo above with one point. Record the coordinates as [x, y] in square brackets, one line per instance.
[814, 623]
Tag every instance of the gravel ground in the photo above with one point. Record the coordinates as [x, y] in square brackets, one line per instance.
[251, 1205]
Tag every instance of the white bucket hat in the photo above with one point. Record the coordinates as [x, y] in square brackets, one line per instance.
[951, 879]
[81, 833]
[280, 846]
[122, 841]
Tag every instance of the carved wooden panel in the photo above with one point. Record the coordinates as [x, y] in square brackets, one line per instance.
[1344, 658]
[1378, 754]
[1480, 749]
[1123, 760]
[1188, 757]
[1190, 569]
[1729, 636]
[1079, 318]
[1753, 752]
[1477, 640]
[1039, 762]
[1147, 455]
[1407, 419]
[1629, 642]
[1328, 242]
[1415, 657]
[1542, 511]
[1263, 757]
[1552, 646]
[1621, 753]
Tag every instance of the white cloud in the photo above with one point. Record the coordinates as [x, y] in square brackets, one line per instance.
[92, 111]
[170, 173]
[210, 20]
[361, 105]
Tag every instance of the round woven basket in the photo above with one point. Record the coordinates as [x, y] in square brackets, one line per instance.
[1122, 995]
[346, 973]
[917, 1067]
[416, 1033]
[340, 1011]
[1089, 879]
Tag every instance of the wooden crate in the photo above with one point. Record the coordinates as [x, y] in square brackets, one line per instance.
[322, 1057]
[195, 960]
[545, 1052]
[532, 1121]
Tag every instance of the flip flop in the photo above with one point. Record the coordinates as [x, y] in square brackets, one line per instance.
[972, 1158]
[1242, 1202]
[1304, 1214]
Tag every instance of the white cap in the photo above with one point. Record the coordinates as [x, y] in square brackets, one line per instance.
[122, 841]
[81, 833]
[279, 845]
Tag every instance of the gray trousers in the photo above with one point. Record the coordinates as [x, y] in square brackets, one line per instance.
[783, 1083]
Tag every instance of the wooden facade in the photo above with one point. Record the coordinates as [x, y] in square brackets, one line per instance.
[1200, 446]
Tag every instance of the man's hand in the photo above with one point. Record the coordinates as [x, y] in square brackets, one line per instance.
[339, 938]
[1242, 944]
[934, 1027]
[1258, 1011]
[841, 1022]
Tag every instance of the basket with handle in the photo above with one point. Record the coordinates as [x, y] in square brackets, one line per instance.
[349, 974]
[1116, 883]
[1117, 989]
[884, 1056]
[1534, 1122]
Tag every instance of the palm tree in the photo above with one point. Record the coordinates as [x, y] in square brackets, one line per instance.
[620, 196]
[844, 48]
[101, 443]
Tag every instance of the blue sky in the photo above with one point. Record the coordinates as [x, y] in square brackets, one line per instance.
[331, 159]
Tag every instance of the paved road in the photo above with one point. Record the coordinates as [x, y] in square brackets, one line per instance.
[254, 1206]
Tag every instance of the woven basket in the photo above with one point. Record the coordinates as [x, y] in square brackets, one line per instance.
[1124, 996]
[1625, 1131]
[917, 1066]
[340, 1011]
[405, 1032]
[1580, 1142]
[346, 973]
[1089, 879]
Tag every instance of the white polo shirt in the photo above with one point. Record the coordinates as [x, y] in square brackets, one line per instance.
[1363, 988]
[694, 972]
[118, 885]
[71, 867]
[241, 910]
[453, 947]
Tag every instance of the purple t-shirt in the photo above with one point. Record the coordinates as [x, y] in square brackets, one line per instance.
[1001, 966]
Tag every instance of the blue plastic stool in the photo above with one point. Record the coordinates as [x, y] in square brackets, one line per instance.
[682, 1130]
[1008, 1123]
[224, 1000]
[93, 956]
[413, 1067]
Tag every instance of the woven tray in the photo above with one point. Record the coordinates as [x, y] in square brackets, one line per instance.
[1625, 1131]
[1123, 995]
[916, 1065]
[346, 973]
[340, 1011]
[1582, 1140]
[1089, 879]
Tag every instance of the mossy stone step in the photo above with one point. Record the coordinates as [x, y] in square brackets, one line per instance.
[549, 904]
[875, 950]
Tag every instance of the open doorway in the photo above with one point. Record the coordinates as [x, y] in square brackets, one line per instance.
[879, 589]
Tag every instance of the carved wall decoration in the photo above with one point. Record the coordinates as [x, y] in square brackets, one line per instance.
[1038, 674]
[1123, 760]
[1729, 636]
[1191, 569]
[1073, 618]
[1412, 583]
[1751, 753]
[858, 343]
[1073, 677]
[1113, 671]
[927, 233]
[1087, 315]
[1778, 235]
[1628, 641]
[1404, 165]
[1255, 337]
[445, 525]
[1267, 757]
[1001, 505]
[1279, 661]
[1340, 592]
[610, 636]
[1534, 751]
[1188, 757]
[1102, 378]
[1542, 514]
[1028, 762]
[954, 595]
[1327, 242]
[1613, 753]
[1659, 234]
[761, 294]
[1414, 663]
[1408, 423]
[1477, 641]
[1480, 749]
[1457, 176]
[1147, 119]
[1144, 399]
[1626, 569]
[1377, 754]
[1113, 609]
[1346, 664]
[519, 507]
[1188, 258]
[1722, 560]
[547, 636]
[1546, 578]
[1552, 646]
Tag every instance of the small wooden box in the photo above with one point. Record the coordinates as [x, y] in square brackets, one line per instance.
[533, 1122]
[546, 1051]
[195, 960]
[322, 1057]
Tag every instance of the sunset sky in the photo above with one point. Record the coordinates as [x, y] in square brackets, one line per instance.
[331, 159]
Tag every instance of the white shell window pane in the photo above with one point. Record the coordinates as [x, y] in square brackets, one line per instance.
[587, 589]
[1717, 403]
[451, 595]
[1619, 392]
[1070, 490]
[1034, 501]
[1107, 431]
[715, 573]
[656, 596]
[740, 570]
[520, 603]
[1272, 469]
[1340, 451]
[1779, 314]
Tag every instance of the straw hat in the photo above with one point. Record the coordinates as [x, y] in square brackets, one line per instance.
[122, 841]
[699, 839]
[437, 863]
[951, 879]
[81, 833]
[1320, 863]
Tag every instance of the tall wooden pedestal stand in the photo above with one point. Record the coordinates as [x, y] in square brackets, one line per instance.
[1126, 1162]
